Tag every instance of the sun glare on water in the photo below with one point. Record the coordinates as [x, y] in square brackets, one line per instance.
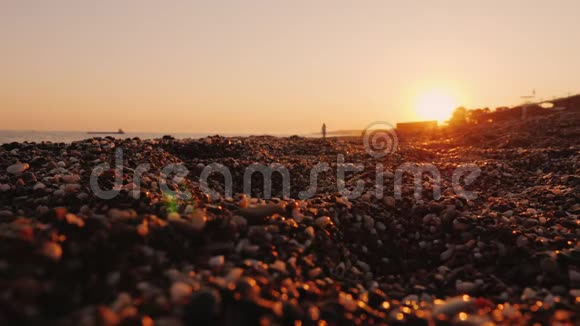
[435, 105]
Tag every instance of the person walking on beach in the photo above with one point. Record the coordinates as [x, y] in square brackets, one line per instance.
[324, 131]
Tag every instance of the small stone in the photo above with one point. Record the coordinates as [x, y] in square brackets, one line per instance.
[454, 306]
[107, 316]
[323, 221]
[188, 209]
[258, 213]
[364, 266]
[368, 222]
[39, 186]
[522, 241]
[244, 201]
[180, 292]
[528, 294]
[18, 168]
[52, 250]
[72, 188]
[390, 201]
[216, 261]
[279, 266]
[75, 220]
[198, 219]
[542, 220]
[297, 215]
[117, 214]
[531, 211]
[71, 178]
[465, 287]
[310, 232]
[574, 276]
[315, 272]
[347, 301]
[143, 229]
[381, 226]
[447, 254]
[234, 274]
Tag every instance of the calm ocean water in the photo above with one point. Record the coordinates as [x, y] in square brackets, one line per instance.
[8, 136]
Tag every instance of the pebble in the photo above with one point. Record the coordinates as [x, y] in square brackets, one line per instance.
[39, 186]
[528, 294]
[297, 215]
[323, 221]
[174, 216]
[261, 211]
[542, 220]
[143, 229]
[189, 209]
[454, 306]
[315, 272]
[70, 178]
[446, 255]
[198, 220]
[216, 261]
[18, 168]
[310, 232]
[52, 250]
[574, 276]
[180, 292]
[390, 201]
[465, 287]
[234, 274]
[73, 219]
[279, 265]
[72, 188]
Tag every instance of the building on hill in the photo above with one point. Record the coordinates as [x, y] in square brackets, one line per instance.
[416, 127]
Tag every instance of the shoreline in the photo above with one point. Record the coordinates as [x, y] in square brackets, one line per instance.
[19, 136]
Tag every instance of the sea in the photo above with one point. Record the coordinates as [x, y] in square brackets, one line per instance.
[9, 136]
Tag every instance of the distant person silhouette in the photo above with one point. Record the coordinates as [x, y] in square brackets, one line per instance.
[324, 131]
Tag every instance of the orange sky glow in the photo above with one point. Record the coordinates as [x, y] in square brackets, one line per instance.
[275, 67]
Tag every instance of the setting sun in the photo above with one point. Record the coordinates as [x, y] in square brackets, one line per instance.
[435, 105]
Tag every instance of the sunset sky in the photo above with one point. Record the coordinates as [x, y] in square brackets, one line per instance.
[275, 66]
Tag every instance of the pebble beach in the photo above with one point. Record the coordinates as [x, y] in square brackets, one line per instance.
[510, 256]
